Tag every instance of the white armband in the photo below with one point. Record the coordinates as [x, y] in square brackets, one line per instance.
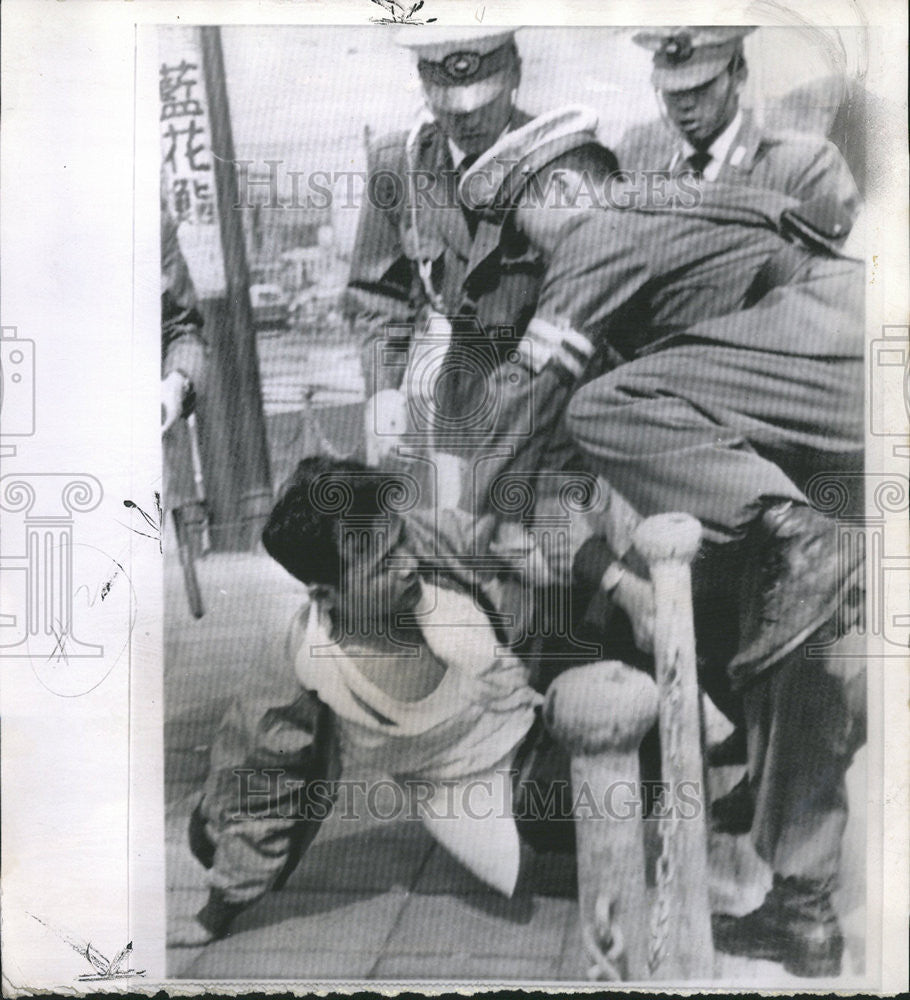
[567, 347]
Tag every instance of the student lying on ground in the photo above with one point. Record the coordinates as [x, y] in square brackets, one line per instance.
[401, 670]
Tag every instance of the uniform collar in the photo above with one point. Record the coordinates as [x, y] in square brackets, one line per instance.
[439, 226]
[719, 149]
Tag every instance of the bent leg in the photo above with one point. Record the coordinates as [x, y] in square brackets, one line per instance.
[268, 789]
[256, 802]
[719, 432]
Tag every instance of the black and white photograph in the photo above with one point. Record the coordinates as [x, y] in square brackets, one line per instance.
[496, 575]
[537, 364]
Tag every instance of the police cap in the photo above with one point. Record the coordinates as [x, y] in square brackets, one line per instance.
[689, 57]
[463, 68]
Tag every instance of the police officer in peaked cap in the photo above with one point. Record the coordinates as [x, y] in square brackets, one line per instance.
[469, 79]
[415, 246]
[699, 74]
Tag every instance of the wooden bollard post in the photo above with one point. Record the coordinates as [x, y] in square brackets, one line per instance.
[600, 713]
[681, 946]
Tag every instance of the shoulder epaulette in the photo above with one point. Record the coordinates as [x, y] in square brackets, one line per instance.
[790, 137]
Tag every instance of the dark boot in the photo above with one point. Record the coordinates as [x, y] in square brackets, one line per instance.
[794, 588]
[795, 925]
[733, 812]
[729, 751]
[217, 914]
[201, 843]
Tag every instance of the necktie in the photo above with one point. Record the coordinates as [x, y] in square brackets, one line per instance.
[471, 217]
[696, 163]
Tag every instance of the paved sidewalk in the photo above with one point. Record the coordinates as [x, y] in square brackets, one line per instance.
[380, 900]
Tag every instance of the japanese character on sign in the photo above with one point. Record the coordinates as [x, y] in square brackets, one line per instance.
[191, 151]
[205, 206]
[181, 198]
[172, 80]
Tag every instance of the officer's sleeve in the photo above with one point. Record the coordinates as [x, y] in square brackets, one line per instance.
[183, 345]
[529, 403]
[822, 173]
[380, 290]
[597, 267]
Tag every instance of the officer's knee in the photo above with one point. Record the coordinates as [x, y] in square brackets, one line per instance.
[578, 410]
[589, 405]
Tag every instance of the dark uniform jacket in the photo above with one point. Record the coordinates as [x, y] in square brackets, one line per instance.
[801, 165]
[493, 279]
[623, 283]
[635, 277]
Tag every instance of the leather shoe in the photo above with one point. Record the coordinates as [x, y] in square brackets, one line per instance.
[795, 925]
[733, 812]
[792, 588]
[729, 751]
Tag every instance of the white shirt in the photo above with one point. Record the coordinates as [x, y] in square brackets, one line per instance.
[457, 153]
[460, 739]
[478, 714]
[719, 149]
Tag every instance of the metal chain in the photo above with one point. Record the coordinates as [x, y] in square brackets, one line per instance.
[604, 944]
[662, 911]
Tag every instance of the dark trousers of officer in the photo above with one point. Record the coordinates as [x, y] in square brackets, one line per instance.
[805, 718]
[720, 432]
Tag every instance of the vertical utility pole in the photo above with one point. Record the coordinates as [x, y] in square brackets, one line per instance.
[234, 425]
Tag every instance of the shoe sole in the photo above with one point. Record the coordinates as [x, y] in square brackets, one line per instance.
[801, 962]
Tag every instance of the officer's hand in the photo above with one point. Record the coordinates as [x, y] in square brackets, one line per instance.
[174, 389]
[513, 543]
[188, 932]
[385, 420]
[636, 597]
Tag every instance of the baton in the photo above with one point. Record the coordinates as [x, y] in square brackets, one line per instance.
[185, 549]
[199, 480]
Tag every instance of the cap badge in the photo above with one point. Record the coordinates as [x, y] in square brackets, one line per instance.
[461, 65]
[678, 49]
